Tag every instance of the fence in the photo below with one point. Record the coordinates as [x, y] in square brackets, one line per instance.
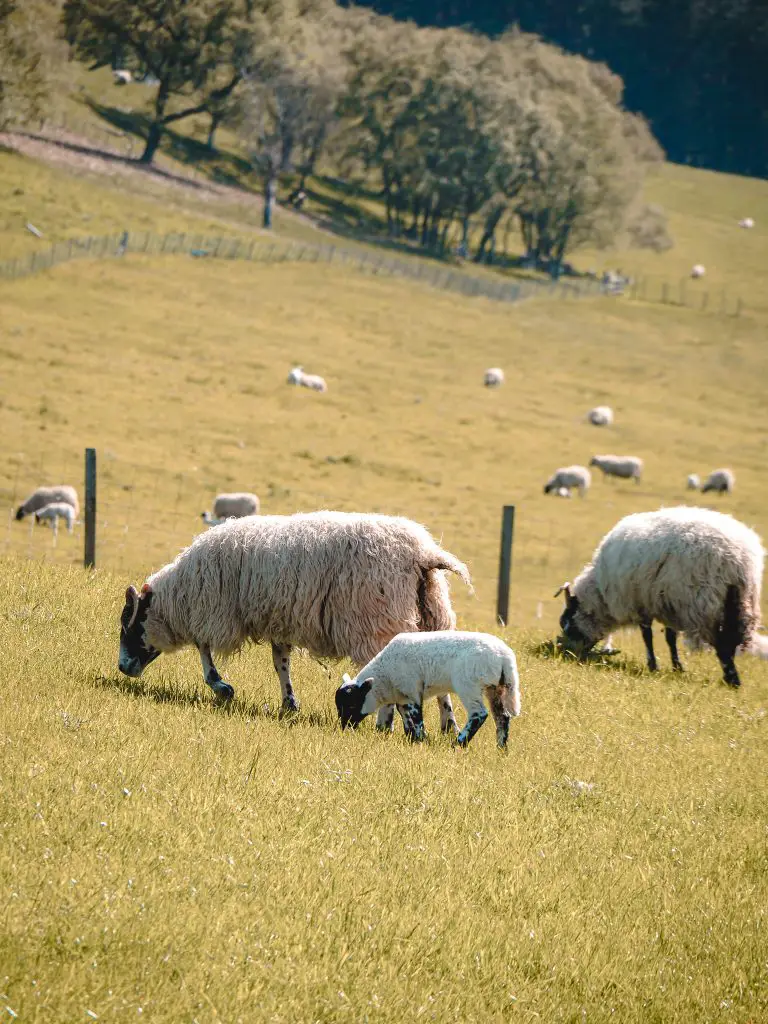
[687, 292]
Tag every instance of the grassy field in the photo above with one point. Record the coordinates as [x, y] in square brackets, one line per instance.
[164, 858]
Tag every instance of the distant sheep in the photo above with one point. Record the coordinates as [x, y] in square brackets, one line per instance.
[494, 377]
[627, 467]
[601, 416]
[693, 569]
[122, 77]
[698, 270]
[567, 477]
[416, 666]
[54, 512]
[306, 380]
[340, 584]
[46, 496]
[231, 506]
[694, 482]
[746, 222]
[721, 481]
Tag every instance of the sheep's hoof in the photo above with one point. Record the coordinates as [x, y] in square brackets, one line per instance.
[223, 693]
[450, 728]
[289, 707]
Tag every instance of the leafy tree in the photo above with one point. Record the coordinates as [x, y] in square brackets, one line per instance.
[31, 61]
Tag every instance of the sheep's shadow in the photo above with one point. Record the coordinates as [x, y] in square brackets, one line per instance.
[599, 658]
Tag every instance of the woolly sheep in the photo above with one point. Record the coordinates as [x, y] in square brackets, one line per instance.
[306, 380]
[720, 480]
[494, 377]
[601, 416]
[46, 496]
[229, 506]
[698, 270]
[340, 584]
[415, 666]
[694, 482]
[628, 467]
[746, 222]
[567, 477]
[54, 512]
[693, 569]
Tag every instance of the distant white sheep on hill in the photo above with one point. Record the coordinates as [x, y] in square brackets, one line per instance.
[494, 377]
[601, 416]
[122, 76]
[698, 270]
[746, 222]
[306, 380]
[231, 506]
[566, 477]
[721, 481]
[694, 482]
[47, 495]
[628, 467]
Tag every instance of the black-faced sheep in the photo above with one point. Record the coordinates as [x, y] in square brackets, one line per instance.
[54, 512]
[721, 481]
[565, 478]
[232, 506]
[494, 377]
[627, 467]
[46, 496]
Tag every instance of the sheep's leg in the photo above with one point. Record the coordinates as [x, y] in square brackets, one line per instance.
[477, 713]
[447, 718]
[671, 637]
[413, 721]
[385, 718]
[729, 636]
[281, 659]
[222, 691]
[500, 715]
[647, 632]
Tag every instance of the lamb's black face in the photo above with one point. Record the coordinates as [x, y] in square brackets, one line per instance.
[135, 650]
[573, 638]
[349, 703]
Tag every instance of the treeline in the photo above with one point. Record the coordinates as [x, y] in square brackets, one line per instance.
[698, 69]
[464, 138]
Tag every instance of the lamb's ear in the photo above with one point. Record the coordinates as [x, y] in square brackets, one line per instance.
[346, 680]
[570, 600]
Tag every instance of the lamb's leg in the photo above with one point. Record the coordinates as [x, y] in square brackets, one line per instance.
[385, 718]
[223, 691]
[281, 659]
[647, 632]
[671, 637]
[477, 714]
[500, 715]
[447, 718]
[413, 721]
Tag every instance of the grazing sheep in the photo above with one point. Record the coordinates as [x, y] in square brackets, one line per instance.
[122, 77]
[54, 512]
[231, 506]
[746, 222]
[628, 467]
[698, 270]
[601, 416]
[416, 666]
[306, 380]
[47, 495]
[567, 477]
[694, 482]
[340, 584]
[494, 377]
[693, 569]
[720, 480]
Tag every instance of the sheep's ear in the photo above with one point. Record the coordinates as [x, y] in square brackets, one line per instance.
[132, 598]
[570, 600]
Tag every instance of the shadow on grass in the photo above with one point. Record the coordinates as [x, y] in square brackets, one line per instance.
[600, 657]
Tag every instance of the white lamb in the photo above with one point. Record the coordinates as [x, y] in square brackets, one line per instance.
[567, 477]
[694, 482]
[698, 270]
[416, 666]
[601, 416]
[721, 481]
[627, 467]
[746, 222]
[55, 511]
[306, 380]
[232, 506]
[47, 495]
[494, 377]
[693, 569]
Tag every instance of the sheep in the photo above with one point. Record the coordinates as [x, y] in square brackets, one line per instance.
[628, 467]
[306, 380]
[600, 416]
[746, 222]
[122, 76]
[229, 506]
[567, 477]
[694, 482]
[720, 480]
[340, 584]
[415, 666]
[693, 569]
[698, 270]
[494, 377]
[47, 495]
[55, 511]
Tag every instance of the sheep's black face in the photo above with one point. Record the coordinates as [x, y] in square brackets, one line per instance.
[349, 703]
[573, 637]
[135, 651]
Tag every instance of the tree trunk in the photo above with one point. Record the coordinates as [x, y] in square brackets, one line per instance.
[489, 232]
[216, 119]
[155, 133]
[270, 190]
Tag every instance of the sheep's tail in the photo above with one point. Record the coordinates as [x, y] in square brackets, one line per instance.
[509, 681]
[741, 617]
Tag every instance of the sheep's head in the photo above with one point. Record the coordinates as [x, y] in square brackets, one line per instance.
[350, 698]
[578, 634]
[136, 652]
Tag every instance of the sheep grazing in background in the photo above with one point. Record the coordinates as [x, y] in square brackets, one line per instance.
[627, 467]
[231, 506]
[698, 270]
[746, 222]
[694, 482]
[693, 569]
[567, 477]
[46, 496]
[494, 377]
[721, 481]
[601, 416]
[415, 666]
[122, 77]
[54, 512]
[340, 584]
[306, 380]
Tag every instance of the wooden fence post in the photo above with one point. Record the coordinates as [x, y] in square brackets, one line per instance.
[505, 563]
[90, 508]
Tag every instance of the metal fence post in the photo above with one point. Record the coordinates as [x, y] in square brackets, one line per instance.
[90, 508]
[505, 564]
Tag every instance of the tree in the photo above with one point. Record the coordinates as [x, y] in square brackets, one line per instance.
[31, 60]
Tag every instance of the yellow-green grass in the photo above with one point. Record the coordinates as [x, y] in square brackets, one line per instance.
[166, 860]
